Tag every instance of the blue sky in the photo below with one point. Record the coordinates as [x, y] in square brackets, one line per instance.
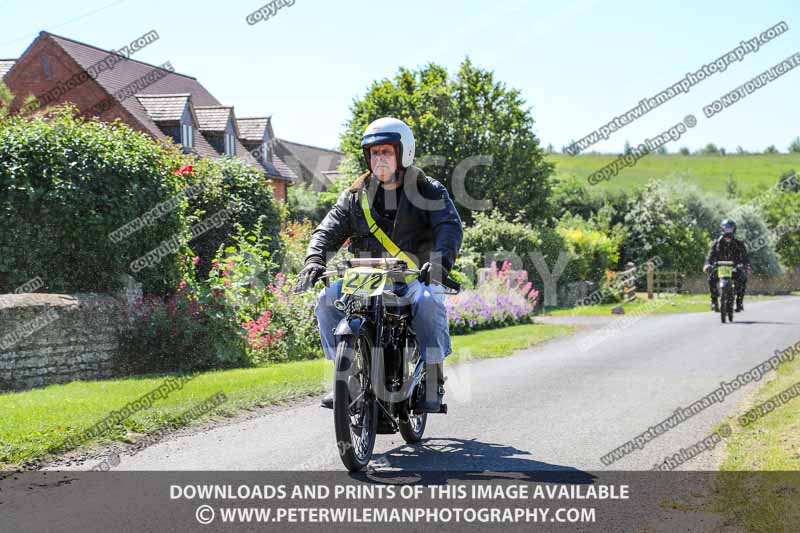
[577, 63]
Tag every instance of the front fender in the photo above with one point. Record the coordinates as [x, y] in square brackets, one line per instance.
[349, 326]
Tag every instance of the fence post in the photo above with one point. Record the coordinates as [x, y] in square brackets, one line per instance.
[650, 280]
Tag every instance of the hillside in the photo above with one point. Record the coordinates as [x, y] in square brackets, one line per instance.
[710, 173]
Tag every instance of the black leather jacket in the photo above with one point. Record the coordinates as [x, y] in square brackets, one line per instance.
[427, 223]
[722, 250]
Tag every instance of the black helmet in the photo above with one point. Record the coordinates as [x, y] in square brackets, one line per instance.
[728, 227]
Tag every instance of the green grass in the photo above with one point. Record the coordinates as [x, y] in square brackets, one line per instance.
[34, 423]
[709, 173]
[768, 500]
[503, 342]
[682, 303]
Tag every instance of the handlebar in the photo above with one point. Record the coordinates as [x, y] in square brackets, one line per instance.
[395, 265]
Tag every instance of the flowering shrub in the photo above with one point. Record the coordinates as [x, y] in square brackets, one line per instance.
[505, 298]
[294, 314]
[295, 237]
[169, 335]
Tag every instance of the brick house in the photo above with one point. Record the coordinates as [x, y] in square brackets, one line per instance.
[311, 165]
[167, 105]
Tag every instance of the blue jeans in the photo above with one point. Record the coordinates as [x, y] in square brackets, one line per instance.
[429, 320]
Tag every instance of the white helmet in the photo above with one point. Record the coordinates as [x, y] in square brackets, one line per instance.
[389, 130]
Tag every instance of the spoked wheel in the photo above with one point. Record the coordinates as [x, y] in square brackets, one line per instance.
[355, 411]
[412, 426]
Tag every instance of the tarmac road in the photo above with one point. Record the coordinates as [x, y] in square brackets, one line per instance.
[555, 406]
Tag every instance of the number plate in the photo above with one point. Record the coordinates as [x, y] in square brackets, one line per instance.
[725, 271]
[364, 281]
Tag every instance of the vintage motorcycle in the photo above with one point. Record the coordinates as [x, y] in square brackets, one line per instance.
[380, 380]
[727, 288]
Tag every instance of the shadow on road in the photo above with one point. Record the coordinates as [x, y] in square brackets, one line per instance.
[749, 322]
[438, 460]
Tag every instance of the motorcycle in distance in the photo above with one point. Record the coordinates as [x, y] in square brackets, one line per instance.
[380, 383]
[727, 289]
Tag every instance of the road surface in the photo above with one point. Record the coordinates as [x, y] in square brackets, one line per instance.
[555, 406]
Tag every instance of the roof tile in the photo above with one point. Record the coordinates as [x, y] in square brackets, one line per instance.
[252, 129]
[164, 107]
[5, 66]
[213, 118]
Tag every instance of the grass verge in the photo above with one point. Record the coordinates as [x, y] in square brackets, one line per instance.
[758, 486]
[681, 303]
[34, 423]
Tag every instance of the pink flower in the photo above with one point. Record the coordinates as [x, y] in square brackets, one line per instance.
[182, 285]
[196, 260]
[227, 283]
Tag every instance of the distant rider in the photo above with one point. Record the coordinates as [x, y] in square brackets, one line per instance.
[727, 248]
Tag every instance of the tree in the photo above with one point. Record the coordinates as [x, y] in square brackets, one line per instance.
[684, 151]
[455, 118]
[710, 149]
[782, 214]
[550, 149]
[660, 225]
[627, 150]
[794, 148]
[771, 149]
[740, 150]
[662, 150]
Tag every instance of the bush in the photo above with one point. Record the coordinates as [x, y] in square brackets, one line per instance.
[212, 309]
[231, 184]
[491, 237]
[660, 224]
[782, 214]
[65, 184]
[593, 251]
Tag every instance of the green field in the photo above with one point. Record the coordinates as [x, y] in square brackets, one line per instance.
[710, 173]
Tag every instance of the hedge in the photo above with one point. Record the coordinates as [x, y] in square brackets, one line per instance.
[67, 183]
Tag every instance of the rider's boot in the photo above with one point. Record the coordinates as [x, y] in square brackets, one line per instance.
[740, 304]
[327, 401]
[433, 399]
[714, 304]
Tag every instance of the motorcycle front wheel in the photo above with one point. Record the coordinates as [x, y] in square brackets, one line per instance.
[355, 410]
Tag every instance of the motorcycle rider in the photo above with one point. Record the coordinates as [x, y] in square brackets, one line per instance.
[396, 202]
[727, 248]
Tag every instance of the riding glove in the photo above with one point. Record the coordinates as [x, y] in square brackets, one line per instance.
[312, 271]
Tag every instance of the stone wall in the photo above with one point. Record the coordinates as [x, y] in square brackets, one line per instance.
[55, 338]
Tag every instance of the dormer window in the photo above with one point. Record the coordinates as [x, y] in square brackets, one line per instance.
[230, 144]
[187, 136]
